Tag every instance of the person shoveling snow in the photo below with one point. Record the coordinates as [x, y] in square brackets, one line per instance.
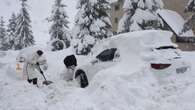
[32, 68]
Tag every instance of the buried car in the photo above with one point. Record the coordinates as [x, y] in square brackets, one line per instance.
[135, 51]
[168, 59]
[105, 59]
[162, 54]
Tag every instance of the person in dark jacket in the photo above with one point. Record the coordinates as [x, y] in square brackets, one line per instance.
[80, 76]
[70, 62]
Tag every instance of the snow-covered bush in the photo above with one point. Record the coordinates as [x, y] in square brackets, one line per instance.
[57, 44]
[83, 46]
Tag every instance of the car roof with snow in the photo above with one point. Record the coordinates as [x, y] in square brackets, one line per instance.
[132, 45]
[138, 40]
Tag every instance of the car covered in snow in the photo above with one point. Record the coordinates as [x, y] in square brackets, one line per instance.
[105, 59]
[168, 59]
[135, 50]
[164, 56]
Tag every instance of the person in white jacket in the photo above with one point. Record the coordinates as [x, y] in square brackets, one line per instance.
[31, 67]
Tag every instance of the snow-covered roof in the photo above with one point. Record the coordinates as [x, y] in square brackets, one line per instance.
[113, 1]
[175, 21]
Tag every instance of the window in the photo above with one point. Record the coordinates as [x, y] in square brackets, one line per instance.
[166, 47]
[116, 7]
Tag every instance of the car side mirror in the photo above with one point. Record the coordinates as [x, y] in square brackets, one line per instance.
[94, 61]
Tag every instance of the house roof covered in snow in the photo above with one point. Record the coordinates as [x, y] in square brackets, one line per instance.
[175, 22]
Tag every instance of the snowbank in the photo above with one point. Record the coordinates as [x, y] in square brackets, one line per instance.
[128, 85]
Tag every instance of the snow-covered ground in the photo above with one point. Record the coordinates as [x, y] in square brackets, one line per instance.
[128, 85]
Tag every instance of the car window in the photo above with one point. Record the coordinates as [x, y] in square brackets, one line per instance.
[166, 47]
[107, 55]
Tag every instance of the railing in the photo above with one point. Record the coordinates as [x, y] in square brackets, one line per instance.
[185, 39]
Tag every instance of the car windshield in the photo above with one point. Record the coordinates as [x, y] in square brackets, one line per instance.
[166, 47]
[167, 52]
[107, 55]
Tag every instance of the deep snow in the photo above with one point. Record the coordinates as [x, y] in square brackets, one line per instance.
[120, 87]
[128, 85]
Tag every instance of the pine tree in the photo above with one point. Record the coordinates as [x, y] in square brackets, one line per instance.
[59, 27]
[140, 15]
[92, 24]
[24, 37]
[3, 35]
[11, 31]
[190, 6]
[189, 24]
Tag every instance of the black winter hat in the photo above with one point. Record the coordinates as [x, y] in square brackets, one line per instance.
[39, 52]
[70, 61]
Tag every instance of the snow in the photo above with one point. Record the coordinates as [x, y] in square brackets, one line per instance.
[175, 21]
[143, 15]
[127, 85]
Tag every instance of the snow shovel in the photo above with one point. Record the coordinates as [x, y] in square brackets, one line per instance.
[46, 82]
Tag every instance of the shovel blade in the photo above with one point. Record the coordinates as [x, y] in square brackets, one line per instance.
[47, 82]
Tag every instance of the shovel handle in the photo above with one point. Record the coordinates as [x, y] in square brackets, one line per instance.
[44, 77]
[42, 72]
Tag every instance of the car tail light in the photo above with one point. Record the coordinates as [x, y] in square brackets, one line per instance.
[160, 66]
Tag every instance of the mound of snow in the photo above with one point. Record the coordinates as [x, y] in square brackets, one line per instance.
[128, 85]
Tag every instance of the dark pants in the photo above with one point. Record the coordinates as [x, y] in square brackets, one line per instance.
[34, 81]
[83, 78]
